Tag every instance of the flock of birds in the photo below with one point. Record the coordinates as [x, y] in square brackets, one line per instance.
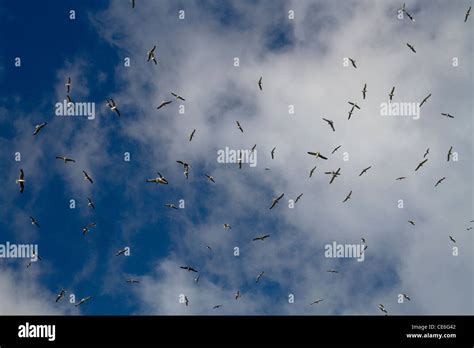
[160, 179]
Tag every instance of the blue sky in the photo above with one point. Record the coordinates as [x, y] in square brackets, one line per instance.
[301, 64]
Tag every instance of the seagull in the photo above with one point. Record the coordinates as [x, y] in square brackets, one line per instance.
[69, 99]
[363, 240]
[133, 3]
[334, 174]
[351, 111]
[450, 152]
[186, 301]
[364, 91]
[353, 63]
[298, 198]
[65, 159]
[391, 93]
[312, 171]
[177, 96]
[160, 179]
[411, 222]
[87, 177]
[253, 148]
[90, 203]
[21, 180]
[217, 306]
[86, 229]
[447, 115]
[424, 100]
[330, 123]
[452, 239]
[132, 281]
[365, 170]
[39, 127]
[113, 107]
[439, 181]
[316, 302]
[317, 155]
[347, 197]
[60, 295]
[354, 105]
[421, 164]
[121, 252]
[401, 178]
[332, 271]
[411, 47]
[260, 83]
[68, 85]
[273, 153]
[211, 178]
[238, 126]
[189, 269]
[276, 200]
[406, 296]
[337, 148]
[238, 295]
[151, 55]
[227, 226]
[382, 308]
[196, 279]
[34, 222]
[84, 300]
[468, 12]
[192, 135]
[427, 152]
[262, 238]
[163, 103]
[259, 276]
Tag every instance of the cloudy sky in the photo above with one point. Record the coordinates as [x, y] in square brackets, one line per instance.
[213, 53]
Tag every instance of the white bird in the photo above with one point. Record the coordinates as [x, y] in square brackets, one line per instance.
[151, 55]
[452, 239]
[239, 126]
[171, 206]
[177, 96]
[407, 297]
[163, 103]
[228, 226]
[330, 123]
[21, 181]
[113, 107]
[65, 159]
[186, 167]
[87, 228]
[87, 177]
[238, 295]
[211, 178]
[382, 308]
[60, 295]
[68, 85]
[39, 127]
[259, 276]
[160, 179]
[90, 204]
[34, 222]
[334, 174]
[276, 200]
[84, 300]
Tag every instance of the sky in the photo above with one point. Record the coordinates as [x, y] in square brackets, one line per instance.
[300, 49]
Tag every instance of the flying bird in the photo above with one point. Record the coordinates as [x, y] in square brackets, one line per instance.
[164, 103]
[335, 149]
[363, 240]
[411, 222]
[132, 281]
[196, 279]
[312, 171]
[351, 111]
[69, 99]
[273, 153]
[330, 123]
[468, 12]
[421, 164]
[450, 152]
[316, 302]
[424, 100]
[253, 148]
[439, 181]
[447, 115]
[211, 178]
[427, 152]
[332, 271]
[39, 127]
[84, 300]
[121, 252]
[354, 105]
[68, 85]
[186, 301]
[177, 96]
[192, 135]
[160, 179]
[133, 3]
[401, 178]
[227, 226]
[411, 47]
[189, 269]
[452, 239]
[353, 63]
[60, 295]
[65, 159]
[298, 198]
[391, 93]
[347, 197]
[86, 229]
[34, 222]
[364, 91]
[151, 55]
[262, 238]
[21, 180]
[382, 308]
[317, 155]
[334, 174]
[407, 297]
[90, 203]
[364, 170]
[238, 126]
[113, 107]
[260, 83]
[87, 177]
[217, 306]
[259, 276]
[237, 295]
[276, 200]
